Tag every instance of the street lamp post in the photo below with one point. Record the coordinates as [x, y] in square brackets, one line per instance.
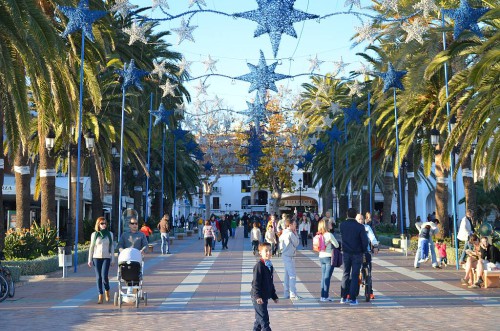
[301, 189]
[115, 165]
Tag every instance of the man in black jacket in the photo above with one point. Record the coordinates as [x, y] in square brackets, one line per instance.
[354, 245]
[224, 230]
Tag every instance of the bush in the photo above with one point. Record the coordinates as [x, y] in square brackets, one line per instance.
[47, 239]
[30, 243]
[386, 228]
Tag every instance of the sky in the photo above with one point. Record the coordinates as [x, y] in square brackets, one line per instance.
[230, 42]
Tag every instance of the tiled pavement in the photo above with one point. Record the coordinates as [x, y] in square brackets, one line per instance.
[189, 291]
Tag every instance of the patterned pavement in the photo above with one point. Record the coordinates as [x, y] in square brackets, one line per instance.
[190, 291]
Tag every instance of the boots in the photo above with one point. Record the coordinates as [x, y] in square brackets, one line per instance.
[106, 295]
[99, 299]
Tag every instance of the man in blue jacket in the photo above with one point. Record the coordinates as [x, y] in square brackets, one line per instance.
[354, 245]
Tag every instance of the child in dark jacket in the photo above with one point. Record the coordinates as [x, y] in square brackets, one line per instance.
[263, 287]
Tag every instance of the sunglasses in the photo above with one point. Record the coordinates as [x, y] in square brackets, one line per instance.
[133, 223]
[102, 223]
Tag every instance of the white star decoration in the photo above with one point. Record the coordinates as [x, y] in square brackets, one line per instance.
[349, 3]
[363, 70]
[414, 30]
[355, 88]
[122, 7]
[198, 2]
[168, 89]
[334, 108]
[366, 32]
[159, 3]
[202, 88]
[137, 32]
[217, 102]
[184, 65]
[339, 66]
[159, 68]
[314, 63]
[426, 6]
[185, 31]
[327, 121]
[316, 103]
[390, 5]
[210, 64]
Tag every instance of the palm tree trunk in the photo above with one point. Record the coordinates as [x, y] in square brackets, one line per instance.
[388, 192]
[116, 193]
[47, 182]
[469, 187]
[96, 188]
[2, 227]
[412, 188]
[138, 197]
[441, 197]
[23, 190]
[328, 201]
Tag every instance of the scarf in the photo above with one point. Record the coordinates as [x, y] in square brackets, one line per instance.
[105, 234]
[268, 264]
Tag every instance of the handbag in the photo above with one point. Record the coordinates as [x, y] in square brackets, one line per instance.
[337, 258]
[218, 236]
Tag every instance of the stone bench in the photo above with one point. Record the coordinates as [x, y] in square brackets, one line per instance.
[180, 236]
[195, 230]
[189, 233]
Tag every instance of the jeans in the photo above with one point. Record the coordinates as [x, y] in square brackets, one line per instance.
[418, 254]
[255, 246]
[225, 238]
[326, 275]
[165, 243]
[352, 266]
[261, 316]
[289, 283]
[303, 236]
[101, 267]
[233, 232]
[467, 245]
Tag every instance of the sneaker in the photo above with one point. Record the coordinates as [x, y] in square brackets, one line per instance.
[474, 286]
[295, 297]
[464, 281]
[342, 300]
[479, 281]
[353, 302]
[436, 267]
[372, 296]
[329, 299]
[421, 261]
[322, 299]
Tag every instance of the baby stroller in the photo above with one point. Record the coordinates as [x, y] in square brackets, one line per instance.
[130, 267]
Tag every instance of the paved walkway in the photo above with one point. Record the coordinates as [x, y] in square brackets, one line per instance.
[189, 291]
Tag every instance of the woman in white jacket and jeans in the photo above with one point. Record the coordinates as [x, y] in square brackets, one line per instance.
[325, 259]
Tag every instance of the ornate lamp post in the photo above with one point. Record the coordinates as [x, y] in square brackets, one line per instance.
[301, 189]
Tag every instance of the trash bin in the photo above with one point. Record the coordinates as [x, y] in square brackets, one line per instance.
[150, 248]
[65, 256]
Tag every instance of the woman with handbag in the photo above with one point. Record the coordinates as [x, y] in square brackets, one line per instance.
[325, 258]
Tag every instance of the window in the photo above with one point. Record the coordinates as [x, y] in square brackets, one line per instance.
[245, 186]
[215, 203]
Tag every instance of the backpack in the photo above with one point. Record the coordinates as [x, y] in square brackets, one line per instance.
[319, 243]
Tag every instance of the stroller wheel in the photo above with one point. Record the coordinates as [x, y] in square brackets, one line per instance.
[145, 299]
[119, 300]
[115, 299]
[137, 300]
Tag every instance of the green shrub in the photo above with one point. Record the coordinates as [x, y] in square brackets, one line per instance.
[47, 239]
[88, 228]
[386, 228]
[20, 243]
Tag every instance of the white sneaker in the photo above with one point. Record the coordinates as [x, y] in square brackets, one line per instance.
[295, 297]
[323, 300]
[329, 299]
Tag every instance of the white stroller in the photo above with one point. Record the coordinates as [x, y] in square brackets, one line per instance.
[130, 268]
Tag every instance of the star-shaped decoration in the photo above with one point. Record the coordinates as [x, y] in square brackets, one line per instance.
[426, 6]
[327, 121]
[262, 77]
[217, 102]
[131, 75]
[184, 65]
[465, 18]
[162, 115]
[314, 63]
[180, 109]
[159, 3]
[366, 32]
[300, 165]
[363, 70]
[355, 88]
[80, 18]
[334, 134]
[334, 108]
[352, 114]
[159, 68]
[207, 166]
[210, 64]
[414, 30]
[339, 66]
[320, 146]
[185, 32]
[350, 3]
[308, 157]
[179, 133]
[122, 7]
[276, 17]
[198, 2]
[137, 32]
[392, 78]
[390, 5]
[316, 104]
[168, 89]
[202, 88]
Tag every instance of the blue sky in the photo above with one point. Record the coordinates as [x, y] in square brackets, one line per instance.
[230, 42]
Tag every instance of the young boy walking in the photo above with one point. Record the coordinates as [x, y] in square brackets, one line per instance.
[263, 287]
[289, 241]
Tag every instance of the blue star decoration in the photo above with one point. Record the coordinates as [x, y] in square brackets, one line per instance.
[262, 77]
[300, 165]
[320, 146]
[308, 157]
[179, 133]
[80, 18]
[162, 114]
[208, 166]
[131, 75]
[334, 134]
[352, 114]
[198, 154]
[256, 111]
[465, 18]
[392, 78]
[276, 17]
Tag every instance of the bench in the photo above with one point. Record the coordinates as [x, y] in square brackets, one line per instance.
[189, 233]
[491, 278]
[180, 236]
